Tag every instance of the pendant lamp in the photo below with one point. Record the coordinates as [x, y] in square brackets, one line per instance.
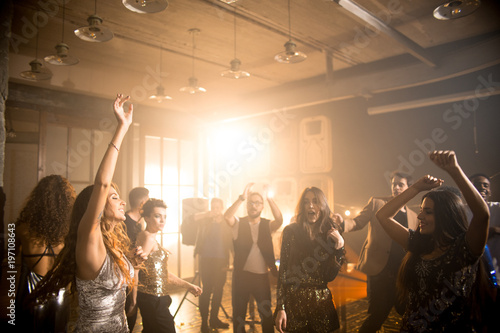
[234, 72]
[94, 32]
[145, 6]
[37, 72]
[290, 56]
[456, 9]
[192, 87]
[62, 58]
[160, 90]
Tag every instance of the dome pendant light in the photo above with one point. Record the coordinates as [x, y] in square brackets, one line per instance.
[192, 87]
[290, 56]
[160, 90]
[456, 9]
[94, 32]
[234, 72]
[37, 71]
[62, 58]
[145, 6]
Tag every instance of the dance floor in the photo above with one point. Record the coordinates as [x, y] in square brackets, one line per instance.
[349, 292]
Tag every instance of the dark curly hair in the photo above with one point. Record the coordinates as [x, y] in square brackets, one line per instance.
[47, 210]
[149, 205]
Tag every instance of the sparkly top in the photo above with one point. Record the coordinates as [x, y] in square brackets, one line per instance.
[438, 299]
[102, 300]
[153, 280]
[306, 267]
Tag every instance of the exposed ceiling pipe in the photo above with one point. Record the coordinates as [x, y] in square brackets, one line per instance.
[425, 102]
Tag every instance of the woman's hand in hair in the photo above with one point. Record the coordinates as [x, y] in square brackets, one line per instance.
[427, 183]
[335, 235]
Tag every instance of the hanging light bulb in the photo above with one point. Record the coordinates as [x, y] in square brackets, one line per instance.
[94, 32]
[234, 72]
[37, 71]
[290, 55]
[160, 90]
[192, 87]
[228, 1]
[62, 58]
[145, 6]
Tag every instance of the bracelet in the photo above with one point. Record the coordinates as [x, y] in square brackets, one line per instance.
[112, 144]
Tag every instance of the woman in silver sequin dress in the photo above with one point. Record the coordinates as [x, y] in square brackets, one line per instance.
[152, 293]
[437, 276]
[312, 252]
[94, 258]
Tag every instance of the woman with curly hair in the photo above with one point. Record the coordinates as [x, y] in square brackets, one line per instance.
[41, 227]
[312, 252]
[438, 274]
[94, 260]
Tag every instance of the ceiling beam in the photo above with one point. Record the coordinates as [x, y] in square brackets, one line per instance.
[413, 48]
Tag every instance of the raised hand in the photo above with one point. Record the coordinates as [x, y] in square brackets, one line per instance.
[123, 117]
[247, 190]
[427, 183]
[445, 159]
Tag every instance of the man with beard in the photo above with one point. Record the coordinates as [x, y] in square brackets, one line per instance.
[380, 256]
[253, 257]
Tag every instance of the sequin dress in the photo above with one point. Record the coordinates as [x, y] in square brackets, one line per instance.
[153, 279]
[102, 301]
[306, 267]
[438, 299]
[152, 294]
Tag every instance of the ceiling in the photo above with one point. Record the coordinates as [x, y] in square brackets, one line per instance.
[359, 49]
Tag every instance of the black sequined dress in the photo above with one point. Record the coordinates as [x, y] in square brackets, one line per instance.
[306, 267]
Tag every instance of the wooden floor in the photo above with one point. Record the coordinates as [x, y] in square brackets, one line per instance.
[352, 314]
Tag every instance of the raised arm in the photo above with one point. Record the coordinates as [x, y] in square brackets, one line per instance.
[90, 249]
[229, 214]
[477, 233]
[278, 217]
[385, 215]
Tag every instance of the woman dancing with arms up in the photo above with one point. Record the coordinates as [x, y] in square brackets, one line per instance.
[439, 270]
[94, 259]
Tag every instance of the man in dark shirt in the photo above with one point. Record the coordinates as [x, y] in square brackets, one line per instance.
[137, 197]
[213, 245]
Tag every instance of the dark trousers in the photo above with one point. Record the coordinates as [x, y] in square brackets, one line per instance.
[213, 272]
[156, 316]
[257, 285]
[381, 291]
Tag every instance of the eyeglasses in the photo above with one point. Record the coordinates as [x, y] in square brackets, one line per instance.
[255, 203]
